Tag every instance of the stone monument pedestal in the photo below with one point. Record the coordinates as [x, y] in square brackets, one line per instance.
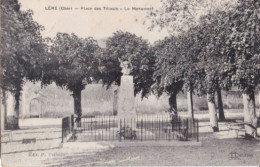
[126, 102]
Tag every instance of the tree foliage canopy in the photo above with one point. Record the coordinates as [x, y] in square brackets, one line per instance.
[22, 47]
[127, 46]
[245, 42]
[218, 50]
[74, 61]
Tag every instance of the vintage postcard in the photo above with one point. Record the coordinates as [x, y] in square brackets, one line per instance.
[130, 83]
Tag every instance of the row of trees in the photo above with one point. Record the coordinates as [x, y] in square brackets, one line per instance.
[219, 52]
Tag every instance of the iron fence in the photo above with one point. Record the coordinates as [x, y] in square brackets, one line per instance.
[140, 128]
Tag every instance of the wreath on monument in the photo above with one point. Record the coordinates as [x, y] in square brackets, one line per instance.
[126, 133]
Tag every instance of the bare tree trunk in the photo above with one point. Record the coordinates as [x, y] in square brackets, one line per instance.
[77, 105]
[220, 106]
[115, 102]
[173, 103]
[77, 102]
[17, 108]
[12, 121]
[4, 110]
[212, 113]
[249, 115]
[190, 103]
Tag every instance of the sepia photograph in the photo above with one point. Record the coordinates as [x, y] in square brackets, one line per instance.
[130, 83]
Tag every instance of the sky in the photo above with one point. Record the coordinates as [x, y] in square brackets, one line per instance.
[97, 24]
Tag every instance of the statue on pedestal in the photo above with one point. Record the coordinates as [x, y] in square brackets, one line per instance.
[126, 66]
[126, 100]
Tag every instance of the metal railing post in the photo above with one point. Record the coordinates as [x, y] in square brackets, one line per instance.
[120, 126]
[62, 131]
[197, 130]
[187, 124]
[141, 129]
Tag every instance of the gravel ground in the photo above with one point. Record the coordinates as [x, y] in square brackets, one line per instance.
[212, 152]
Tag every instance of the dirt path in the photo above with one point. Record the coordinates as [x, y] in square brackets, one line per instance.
[213, 152]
